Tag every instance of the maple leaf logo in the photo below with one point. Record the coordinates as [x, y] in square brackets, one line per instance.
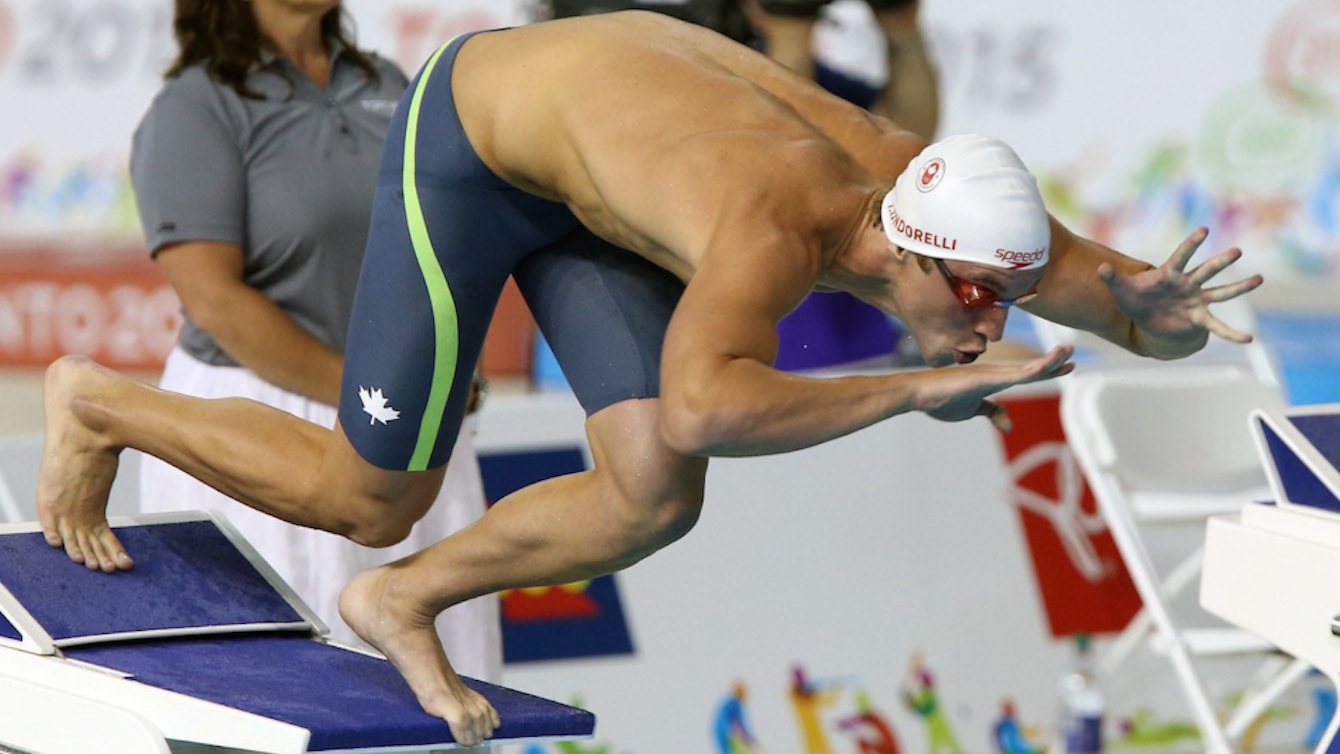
[374, 405]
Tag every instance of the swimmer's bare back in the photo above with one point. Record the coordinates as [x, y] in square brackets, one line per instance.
[657, 132]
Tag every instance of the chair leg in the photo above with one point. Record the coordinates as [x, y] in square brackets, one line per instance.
[1121, 648]
[1138, 629]
[1147, 583]
[1256, 703]
[1201, 709]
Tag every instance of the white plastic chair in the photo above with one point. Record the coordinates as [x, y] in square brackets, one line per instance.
[1163, 445]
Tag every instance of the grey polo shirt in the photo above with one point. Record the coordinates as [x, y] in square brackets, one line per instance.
[289, 178]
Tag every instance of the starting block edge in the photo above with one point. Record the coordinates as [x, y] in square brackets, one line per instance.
[177, 716]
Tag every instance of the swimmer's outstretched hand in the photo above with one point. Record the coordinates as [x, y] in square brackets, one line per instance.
[960, 392]
[78, 465]
[1170, 306]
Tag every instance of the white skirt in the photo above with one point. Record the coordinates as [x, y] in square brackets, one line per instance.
[318, 564]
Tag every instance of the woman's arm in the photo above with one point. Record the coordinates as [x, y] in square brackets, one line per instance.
[208, 278]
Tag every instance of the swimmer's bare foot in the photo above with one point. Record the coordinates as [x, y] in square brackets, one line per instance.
[78, 466]
[380, 613]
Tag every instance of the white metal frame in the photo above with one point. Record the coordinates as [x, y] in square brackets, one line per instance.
[1085, 429]
[48, 720]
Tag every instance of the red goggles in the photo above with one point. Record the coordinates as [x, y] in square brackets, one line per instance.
[975, 297]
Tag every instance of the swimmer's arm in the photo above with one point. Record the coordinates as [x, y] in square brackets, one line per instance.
[1161, 312]
[720, 395]
[208, 278]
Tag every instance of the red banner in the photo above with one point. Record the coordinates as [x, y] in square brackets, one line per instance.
[121, 312]
[1083, 582]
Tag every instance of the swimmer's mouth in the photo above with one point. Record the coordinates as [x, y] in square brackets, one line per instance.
[965, 357]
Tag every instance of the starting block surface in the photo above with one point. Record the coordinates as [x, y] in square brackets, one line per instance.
[204, 641]
[364, 703]
[188, 576]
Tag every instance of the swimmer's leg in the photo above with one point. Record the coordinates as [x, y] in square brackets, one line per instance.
[639, 497]
[604, 311]
[265, 458]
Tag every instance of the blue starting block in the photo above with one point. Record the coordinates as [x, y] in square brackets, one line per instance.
[1300, 449]
[202, 644]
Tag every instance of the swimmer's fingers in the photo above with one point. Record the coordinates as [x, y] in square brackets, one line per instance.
[1000, 418]
[1186, 250]
[1232, 290]
[1213, 266]
[1217, 326]
[1054, 363]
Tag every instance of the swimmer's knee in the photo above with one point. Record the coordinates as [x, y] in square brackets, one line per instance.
[646, 528]
[650, 494]
[643, 520]
[386, 532]
[376, 520]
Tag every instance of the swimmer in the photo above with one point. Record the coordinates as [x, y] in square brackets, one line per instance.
[663, 197]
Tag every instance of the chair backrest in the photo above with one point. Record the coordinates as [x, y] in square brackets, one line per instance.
[1175, 429]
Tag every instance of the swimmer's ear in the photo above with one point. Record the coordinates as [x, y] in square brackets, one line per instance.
[898, 252]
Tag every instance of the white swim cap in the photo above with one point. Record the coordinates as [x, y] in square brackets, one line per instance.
[969, 198]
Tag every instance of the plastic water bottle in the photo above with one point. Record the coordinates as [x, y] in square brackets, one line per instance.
[1081, 718]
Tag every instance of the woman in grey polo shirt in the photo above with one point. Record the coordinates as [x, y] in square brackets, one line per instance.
[254, 170]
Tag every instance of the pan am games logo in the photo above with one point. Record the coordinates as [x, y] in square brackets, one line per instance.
[584, 619]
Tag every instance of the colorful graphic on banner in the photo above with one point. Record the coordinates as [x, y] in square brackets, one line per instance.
[732, 731]
[584, 619]
[1011, 737]
[869, 729]
[921, 697]
[836, 715]
[809, 699]
[1143, 730]
[85, 198]
[1084, 585]
[858, 720]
